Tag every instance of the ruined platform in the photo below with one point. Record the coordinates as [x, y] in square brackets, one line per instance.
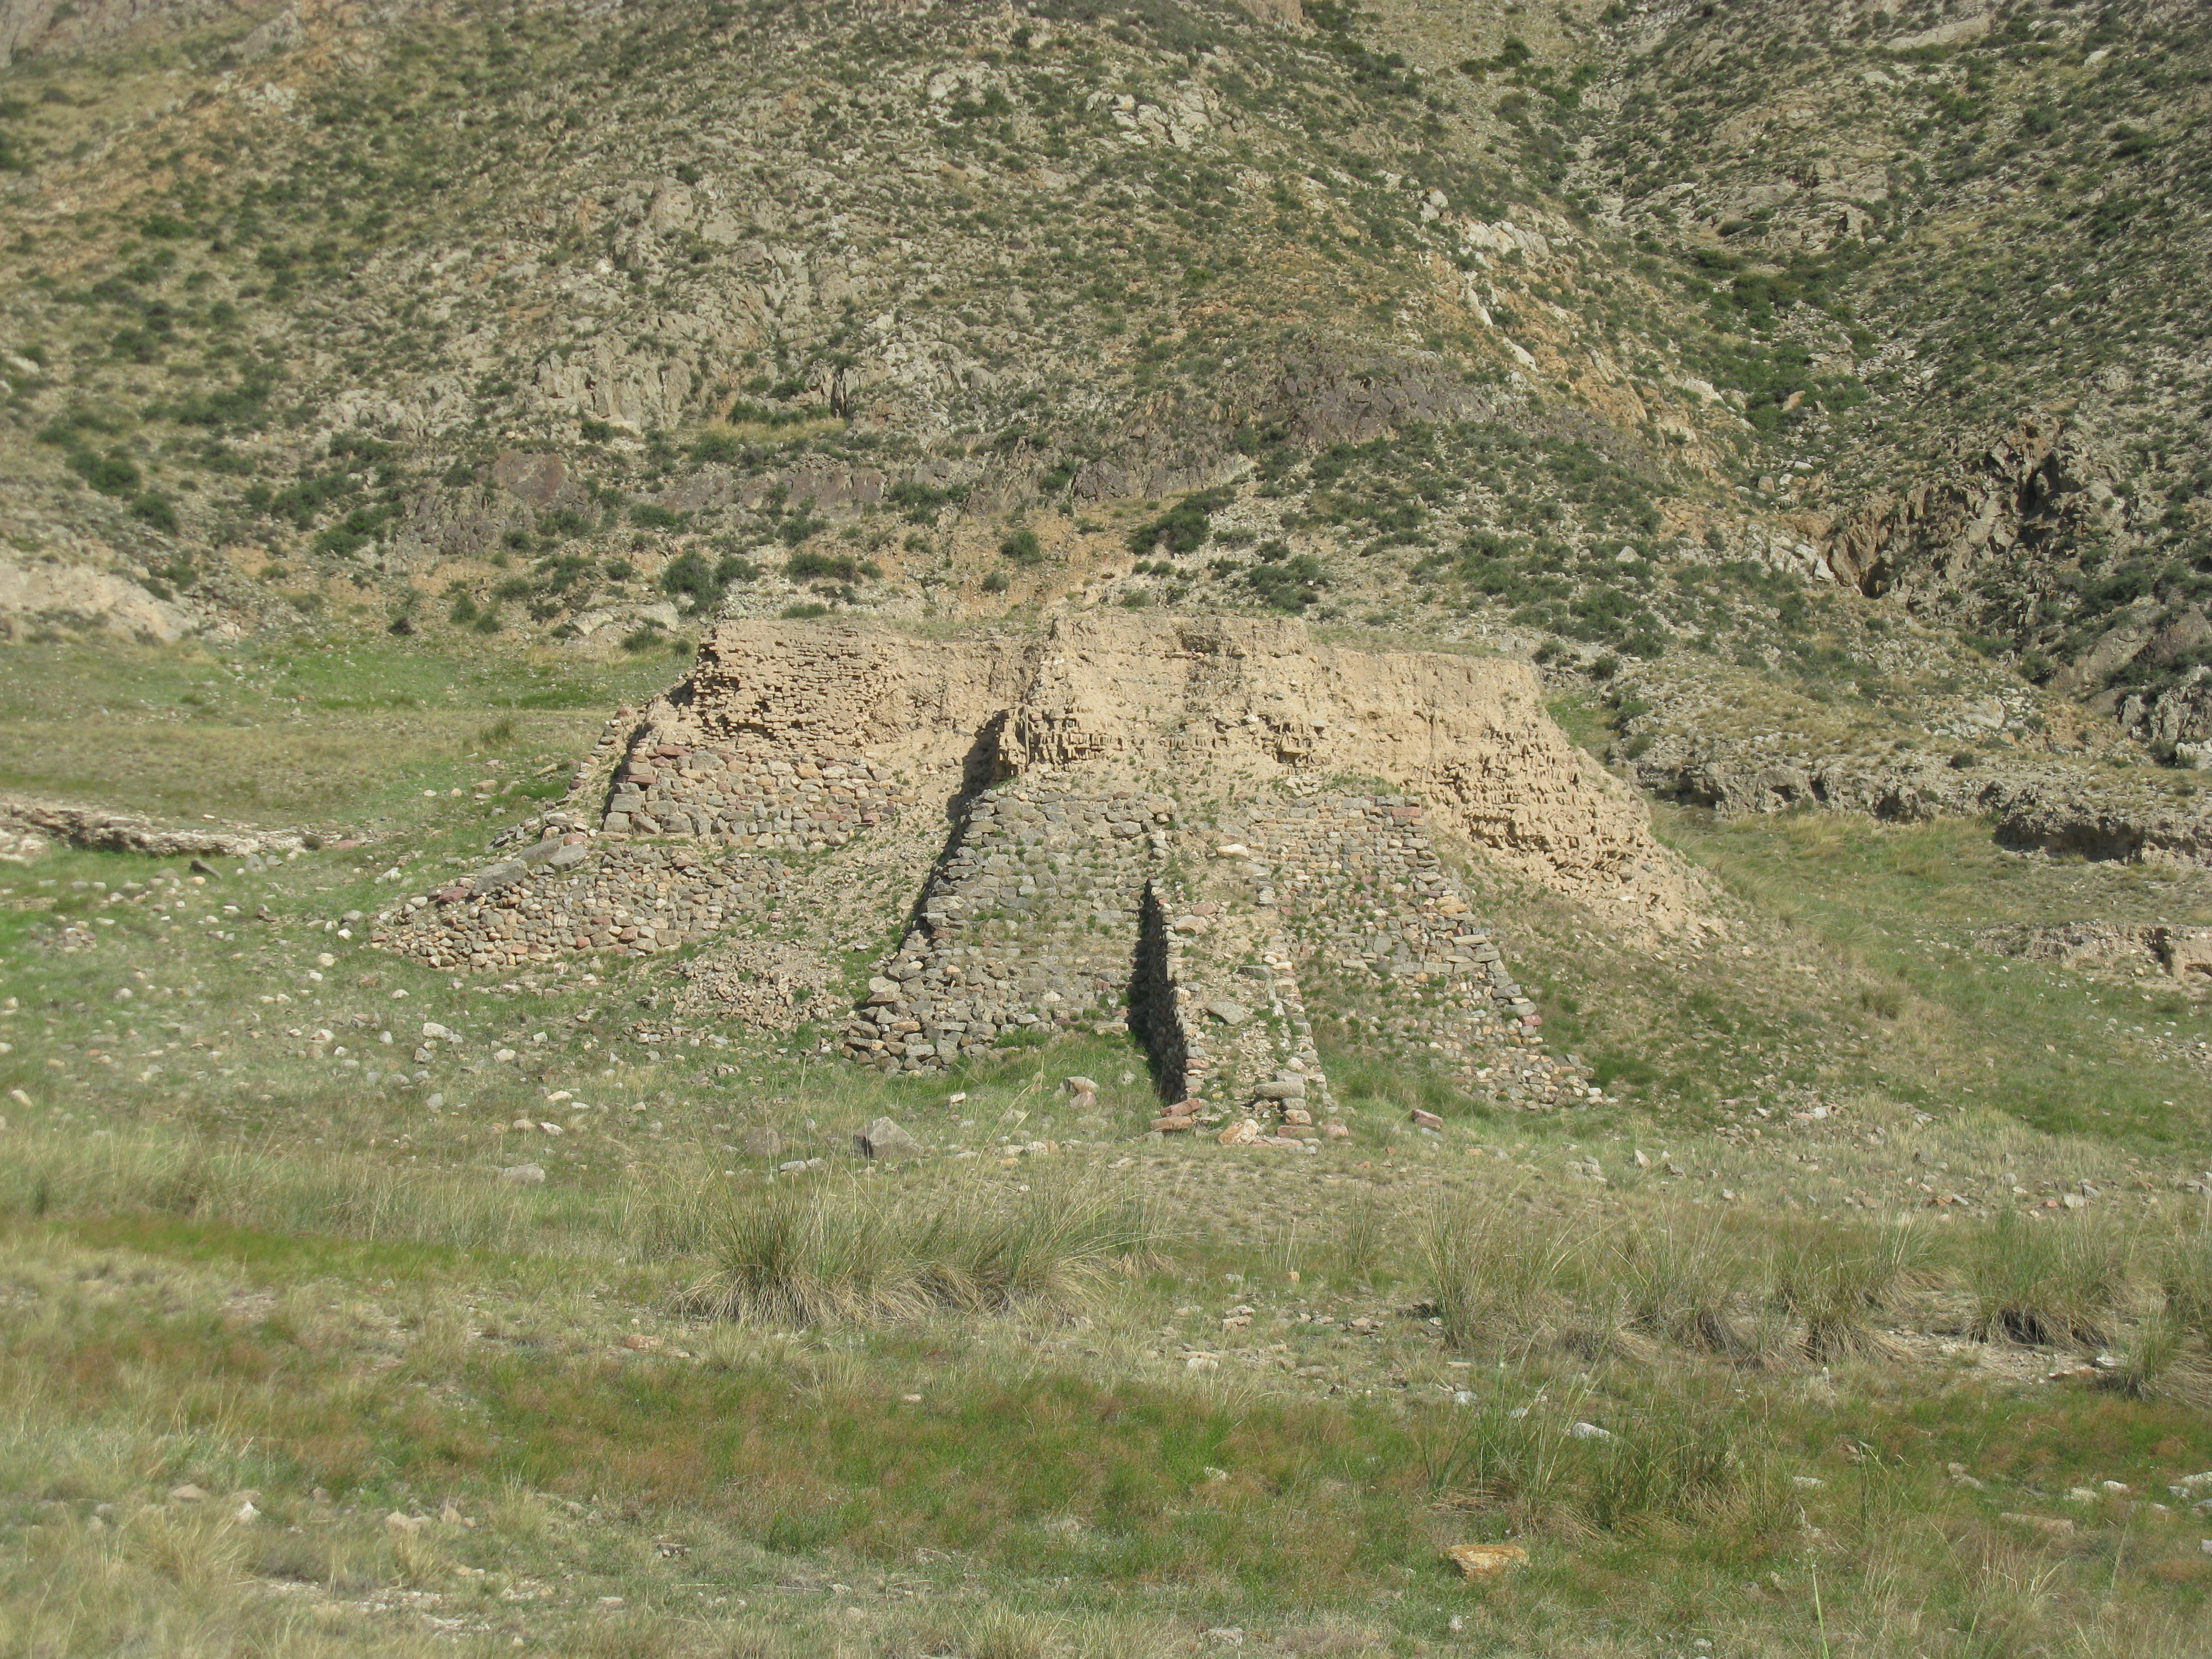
[1177, 827]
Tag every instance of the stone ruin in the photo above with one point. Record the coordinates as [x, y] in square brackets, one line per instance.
[2183, 953]
[944, 847]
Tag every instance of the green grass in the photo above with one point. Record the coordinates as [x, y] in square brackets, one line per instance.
[1898, 907]
[325, 727]
[967, 1388]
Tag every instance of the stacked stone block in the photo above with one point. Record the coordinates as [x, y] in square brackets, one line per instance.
[751, 794]
[1083, 884]
[1372, 908]
[1239, 1023]
[629, 901]
[1028, 922]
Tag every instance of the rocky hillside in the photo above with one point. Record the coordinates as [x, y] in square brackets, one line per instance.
[1747, 335]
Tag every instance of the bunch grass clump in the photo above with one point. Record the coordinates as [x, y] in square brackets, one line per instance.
[2046, 1284]
[1665, 1453]
[1497, 1279]
[1685, 1279]
[2168, 1355]
[1837, 1281]
[2185, 1279]
[826, 1252]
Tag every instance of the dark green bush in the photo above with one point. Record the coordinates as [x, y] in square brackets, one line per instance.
[112, 474]
[1288, 585]
[1184, 527]
[808, 565]
[155, 508]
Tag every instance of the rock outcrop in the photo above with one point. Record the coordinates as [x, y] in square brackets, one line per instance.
[37, 595]
[45, 822]
[2035, 805]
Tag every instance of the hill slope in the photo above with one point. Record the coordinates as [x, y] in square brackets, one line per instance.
[1649, 332]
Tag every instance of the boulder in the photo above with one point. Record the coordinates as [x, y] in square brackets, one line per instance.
[494, 876]
[883, 1138]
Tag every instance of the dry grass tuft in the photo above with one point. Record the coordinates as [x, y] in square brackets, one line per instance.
[2045, 1284]
[823, 1252]
[1683, 1280]
[2168, 1355]
[1836, 1281]
[2185, 1277]
[1497, 1277]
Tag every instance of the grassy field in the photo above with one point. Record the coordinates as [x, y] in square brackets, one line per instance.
[1873, 1321]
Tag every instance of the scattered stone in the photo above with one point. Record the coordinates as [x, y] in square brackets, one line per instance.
[1242, 1133]
[762, 1142]
[523, 1175]
[187, 1493]
[1589, 1431]
[407, 1525]
[1426, 1120]
[1228, 1012]
[2053, 1526]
